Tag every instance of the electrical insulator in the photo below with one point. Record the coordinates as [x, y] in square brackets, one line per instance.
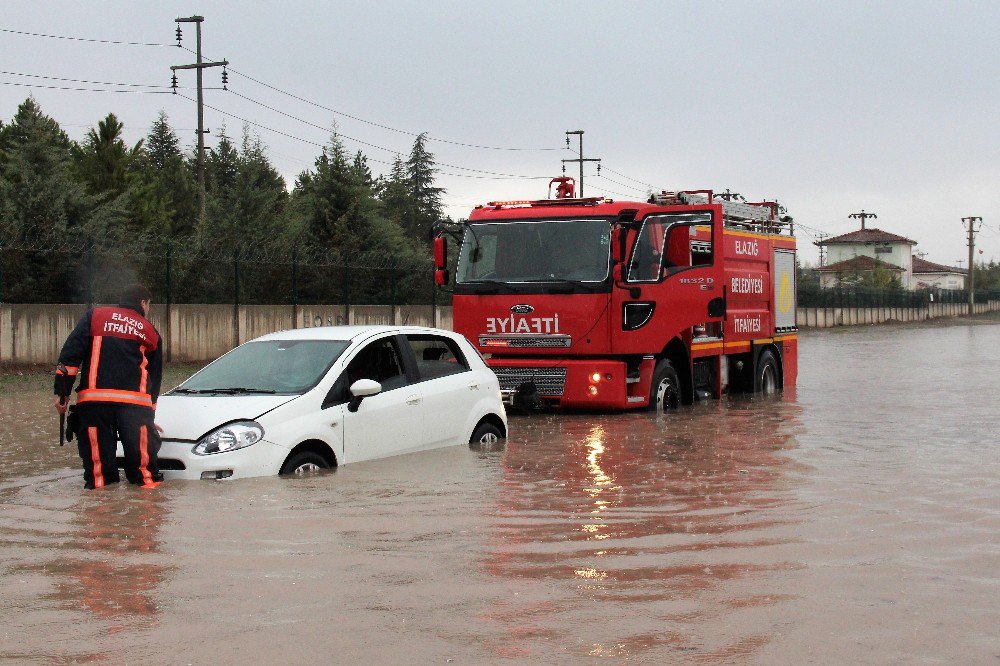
[598, 168]
[567, 138]
[564, 164]
[173, 82]
[225, 78]
[178, 34]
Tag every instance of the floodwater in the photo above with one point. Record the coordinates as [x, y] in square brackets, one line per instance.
[855, 520]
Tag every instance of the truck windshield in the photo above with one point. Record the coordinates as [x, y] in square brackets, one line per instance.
[535, 251]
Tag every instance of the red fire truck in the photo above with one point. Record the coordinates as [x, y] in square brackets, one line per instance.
[601, 304]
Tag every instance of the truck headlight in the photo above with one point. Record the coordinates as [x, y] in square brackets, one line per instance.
[229, 438]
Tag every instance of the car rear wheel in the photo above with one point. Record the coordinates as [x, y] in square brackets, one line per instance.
[304, 462]
[486, 437]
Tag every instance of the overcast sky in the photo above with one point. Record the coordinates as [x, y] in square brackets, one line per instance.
[828, 107]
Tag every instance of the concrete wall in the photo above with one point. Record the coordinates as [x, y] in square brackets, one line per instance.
[35, 333]
[830, 317]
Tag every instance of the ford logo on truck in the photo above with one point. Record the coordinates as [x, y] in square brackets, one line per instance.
[522, 309]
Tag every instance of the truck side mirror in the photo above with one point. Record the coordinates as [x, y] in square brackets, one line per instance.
[440, 253]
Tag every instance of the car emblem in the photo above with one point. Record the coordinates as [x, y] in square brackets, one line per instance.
[522, 309]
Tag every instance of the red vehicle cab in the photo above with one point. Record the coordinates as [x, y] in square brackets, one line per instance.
[602, 304]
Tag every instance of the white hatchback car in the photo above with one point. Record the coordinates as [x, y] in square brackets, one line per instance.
[314, 398]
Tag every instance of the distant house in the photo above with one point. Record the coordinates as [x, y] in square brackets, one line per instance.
[861, 251]
[833, 275]
[928, 275]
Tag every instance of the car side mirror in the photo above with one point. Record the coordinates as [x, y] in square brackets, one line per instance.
[360, 390]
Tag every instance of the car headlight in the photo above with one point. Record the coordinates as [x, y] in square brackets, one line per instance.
[229, 438]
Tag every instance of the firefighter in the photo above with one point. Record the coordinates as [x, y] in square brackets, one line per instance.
[117, 353]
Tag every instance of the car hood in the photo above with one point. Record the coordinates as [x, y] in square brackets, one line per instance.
[192, 416]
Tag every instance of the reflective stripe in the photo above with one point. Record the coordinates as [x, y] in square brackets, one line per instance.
[95, 359]
[144, 455]
[71, 371]
[143, 374]
[114, 395]
[95, 457]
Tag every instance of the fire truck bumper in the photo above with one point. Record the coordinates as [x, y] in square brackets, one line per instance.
[574, 383]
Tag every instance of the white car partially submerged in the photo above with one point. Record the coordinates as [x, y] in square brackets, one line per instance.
[314, 398]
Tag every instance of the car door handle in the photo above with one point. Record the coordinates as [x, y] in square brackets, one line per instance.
[413, 400]
[474, 387]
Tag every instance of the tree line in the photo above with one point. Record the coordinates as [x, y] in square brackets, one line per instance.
[84, 216]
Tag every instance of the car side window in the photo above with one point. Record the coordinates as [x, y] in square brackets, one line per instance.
[379, 361]
[436, 356]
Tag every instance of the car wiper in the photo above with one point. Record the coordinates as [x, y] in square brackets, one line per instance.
[230, 390]
[238, 390]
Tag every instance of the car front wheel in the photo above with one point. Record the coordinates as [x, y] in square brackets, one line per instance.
[303, 462]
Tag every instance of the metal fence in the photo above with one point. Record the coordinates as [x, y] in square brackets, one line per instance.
[86, 271]
[840, 297]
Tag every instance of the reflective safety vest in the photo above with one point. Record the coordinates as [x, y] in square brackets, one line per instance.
[117, 354]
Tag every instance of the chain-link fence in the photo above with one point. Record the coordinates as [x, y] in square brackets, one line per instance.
[88, 271]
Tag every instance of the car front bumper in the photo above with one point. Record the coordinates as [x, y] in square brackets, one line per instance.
[177, 461]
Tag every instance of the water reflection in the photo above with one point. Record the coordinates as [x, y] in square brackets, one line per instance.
[108, 571]
[643, 516]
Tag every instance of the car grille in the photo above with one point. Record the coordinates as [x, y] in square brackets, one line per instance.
[162, 463]
[548, 381]
[558, 341]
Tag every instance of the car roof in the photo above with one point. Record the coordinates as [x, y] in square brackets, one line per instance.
[352, 333]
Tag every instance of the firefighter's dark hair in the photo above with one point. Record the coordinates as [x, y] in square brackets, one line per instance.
[135, 294]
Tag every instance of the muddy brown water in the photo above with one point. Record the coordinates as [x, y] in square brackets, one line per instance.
[854, 520]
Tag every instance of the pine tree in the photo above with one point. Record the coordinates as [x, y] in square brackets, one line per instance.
[426, 198]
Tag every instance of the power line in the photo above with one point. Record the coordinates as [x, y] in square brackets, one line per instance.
[81, 39]
[102, 83]
[381, 125]
[641, 182]
[104, 90]
[370, 159]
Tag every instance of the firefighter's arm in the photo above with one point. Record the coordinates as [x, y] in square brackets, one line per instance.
[73, 352]
[156, 371]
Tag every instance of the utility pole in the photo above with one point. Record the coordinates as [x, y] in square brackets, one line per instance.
[863, 216]
[580, 159]
[972, 225]
[198, 66]
[822, 248]
[730, 196]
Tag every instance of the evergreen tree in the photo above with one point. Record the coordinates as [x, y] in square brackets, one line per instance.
[425, 197]
[40, 202]
[103, 161]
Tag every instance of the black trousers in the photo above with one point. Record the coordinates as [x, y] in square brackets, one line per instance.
[100, 428]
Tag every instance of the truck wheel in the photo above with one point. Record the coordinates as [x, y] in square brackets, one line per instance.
[765, 379]
[665, 391]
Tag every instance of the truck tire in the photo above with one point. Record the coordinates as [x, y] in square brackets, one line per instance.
[665, 391]
[765, 378]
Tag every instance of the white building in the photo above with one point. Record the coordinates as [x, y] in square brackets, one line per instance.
[928, 275]
[864, 250]
[861, 251]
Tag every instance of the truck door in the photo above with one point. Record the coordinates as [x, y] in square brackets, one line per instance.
[676, 261]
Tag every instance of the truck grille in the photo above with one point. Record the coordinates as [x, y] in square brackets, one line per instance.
[560, 341]
[548, 381]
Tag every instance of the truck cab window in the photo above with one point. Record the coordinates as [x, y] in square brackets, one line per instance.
[667, 244]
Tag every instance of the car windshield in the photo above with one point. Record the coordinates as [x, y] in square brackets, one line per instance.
[267, 366]
[535, 251]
